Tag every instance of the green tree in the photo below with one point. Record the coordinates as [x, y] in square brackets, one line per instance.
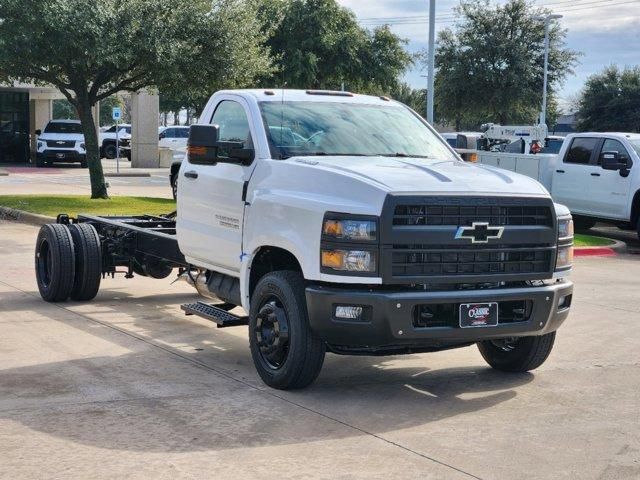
[63, 109]
[319, 44]
[610, 101]
[92, 49]
[490, 65]
[414, 98]
[106, 109]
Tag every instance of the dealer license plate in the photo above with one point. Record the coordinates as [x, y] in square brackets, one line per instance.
[478, 315]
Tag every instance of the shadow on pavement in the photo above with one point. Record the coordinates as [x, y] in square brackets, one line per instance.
[164, 395]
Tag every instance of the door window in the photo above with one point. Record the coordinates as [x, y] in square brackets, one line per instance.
[611, 145]
[581, 150]
[233, 123]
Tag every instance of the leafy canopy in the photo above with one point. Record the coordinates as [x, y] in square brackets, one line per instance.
[319, 44]
[490, 65]
[91, 49]
[610, 101]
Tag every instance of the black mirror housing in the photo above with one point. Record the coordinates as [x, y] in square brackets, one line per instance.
[611, 161]
[38, 132]
[204, 146]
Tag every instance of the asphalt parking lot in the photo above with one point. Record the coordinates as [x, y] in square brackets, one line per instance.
[127, 386]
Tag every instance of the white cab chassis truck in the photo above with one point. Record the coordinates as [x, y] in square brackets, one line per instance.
[339, 223]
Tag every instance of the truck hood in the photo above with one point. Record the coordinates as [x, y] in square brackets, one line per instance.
[427, 175]
[78, 137]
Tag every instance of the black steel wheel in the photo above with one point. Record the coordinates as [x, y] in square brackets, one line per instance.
[55, 262]
[286, 353]
[110, 151]
[517, 354]
[88, 251]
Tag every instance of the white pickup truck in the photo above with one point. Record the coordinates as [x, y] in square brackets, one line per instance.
[596, 175]
[339, 223]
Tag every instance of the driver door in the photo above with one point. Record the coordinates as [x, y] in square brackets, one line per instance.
[610, 190]
[210, 203]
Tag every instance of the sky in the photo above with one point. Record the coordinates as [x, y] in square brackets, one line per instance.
[607, 32]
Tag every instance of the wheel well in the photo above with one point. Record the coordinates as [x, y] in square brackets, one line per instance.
[635, 209]
[270, 259]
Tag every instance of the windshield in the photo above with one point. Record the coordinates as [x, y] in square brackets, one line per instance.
[635, 143]
[315, 128]
[63, 127]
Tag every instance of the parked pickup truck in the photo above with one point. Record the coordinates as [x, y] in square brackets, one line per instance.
[339, 223]
[596, 175]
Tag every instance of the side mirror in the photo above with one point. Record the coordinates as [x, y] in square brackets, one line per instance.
[203, 146]
[611, 161]
[161, 136]
[38, 132]
[614, 161]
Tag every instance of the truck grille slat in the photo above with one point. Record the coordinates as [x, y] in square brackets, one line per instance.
[463, 215]
[525, 249]
[61, 143]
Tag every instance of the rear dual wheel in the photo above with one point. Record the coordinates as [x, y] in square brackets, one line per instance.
[68, 262]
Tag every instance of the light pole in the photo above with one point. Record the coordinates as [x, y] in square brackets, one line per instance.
[431, 60]
[547, 20]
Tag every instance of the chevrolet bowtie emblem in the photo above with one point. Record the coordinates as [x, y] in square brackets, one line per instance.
[479, 232]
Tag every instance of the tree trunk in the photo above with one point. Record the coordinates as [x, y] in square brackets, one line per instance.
[98, 185]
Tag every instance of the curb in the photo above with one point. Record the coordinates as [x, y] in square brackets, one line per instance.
[20, 216]
[4, 173]
[127, 174]
[608, 251]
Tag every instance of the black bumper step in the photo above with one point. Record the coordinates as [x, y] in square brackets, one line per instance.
[217, 314]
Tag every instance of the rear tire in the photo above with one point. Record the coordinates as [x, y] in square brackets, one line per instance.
[521, 355]
[55, 262]
[88, 261]
[286, 353]
[174, 186]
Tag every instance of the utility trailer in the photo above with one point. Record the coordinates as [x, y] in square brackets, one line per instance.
[75, 254]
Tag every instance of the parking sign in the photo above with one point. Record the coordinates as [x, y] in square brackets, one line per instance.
[116, 113]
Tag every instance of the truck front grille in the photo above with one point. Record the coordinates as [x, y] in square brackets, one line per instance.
[61, 143]
[465, 214]
[425, 260]
[421, 241]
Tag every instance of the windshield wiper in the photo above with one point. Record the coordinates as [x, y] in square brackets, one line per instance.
[401, 155]
[323, 154]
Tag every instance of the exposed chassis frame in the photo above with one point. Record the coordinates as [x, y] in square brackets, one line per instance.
[144, 244]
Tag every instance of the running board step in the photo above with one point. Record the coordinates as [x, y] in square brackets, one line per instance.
[220, 316]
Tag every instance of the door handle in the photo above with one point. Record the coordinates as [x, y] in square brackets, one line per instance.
[559, 171]
[595, 174]
[191, 174]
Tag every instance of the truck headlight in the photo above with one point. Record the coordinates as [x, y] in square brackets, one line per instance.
[565, 228]
[564, 259]
[354, 230]
[349, 260]
[82, 146]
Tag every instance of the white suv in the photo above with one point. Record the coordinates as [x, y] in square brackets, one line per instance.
[61, 141]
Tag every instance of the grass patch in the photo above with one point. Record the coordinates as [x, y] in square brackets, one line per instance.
[581, 240]
[52, 205]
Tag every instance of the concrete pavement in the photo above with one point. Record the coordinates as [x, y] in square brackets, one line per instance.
[72, 180]
[127, 386]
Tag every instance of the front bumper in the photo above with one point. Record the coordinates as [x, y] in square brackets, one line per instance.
[390, 325]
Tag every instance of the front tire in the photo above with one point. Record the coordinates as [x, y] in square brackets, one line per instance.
[110, 151]
[518, 354]
[55, 262]
[583, 223]
[174, 186]
[285, 352]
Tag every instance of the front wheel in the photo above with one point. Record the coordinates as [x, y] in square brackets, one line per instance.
[110, 151]
[517, 354]
[286, 353]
